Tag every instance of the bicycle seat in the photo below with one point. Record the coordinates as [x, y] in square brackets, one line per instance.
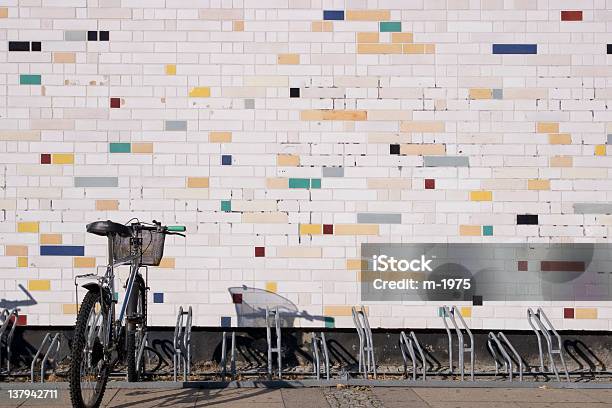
[104, 228]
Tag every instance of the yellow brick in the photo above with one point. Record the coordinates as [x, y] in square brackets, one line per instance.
[547, 127]
[62, 158]
[538, 184]
[3, 12]
[170, 69]
[356, 264]
[288, 59]
[107, 205]
[333, 115]
[561, 161]
[339, 310]
[585, 313]
[220, 137]
[64, 57]
[423, 126]
[414, 48]
[401, 37]
[238, 25]
[22, 262]
[422, 149]
[199, 92]
[69, 308]
[197, 182]
[277, 182]
[50, 239]
[368, 15]
[367, 37]
[481, 195]
[142, 147]
[600, 150]
[287, 160]
[322, 26]
[39, 284]
[30, 226]
[84, 262]
[271, 287]
[167, 263]
[430, 48]
[311, 229]
[379, 48]
[469, 230]
[466, 311]
[16, 250]
[481, 93]
[356, 229]
[559, 138]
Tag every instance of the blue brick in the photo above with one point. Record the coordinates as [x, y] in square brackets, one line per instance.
[333, 14]
[62, 250]
[515, 48]
[158, 297]
[226, 160]
[226, 321]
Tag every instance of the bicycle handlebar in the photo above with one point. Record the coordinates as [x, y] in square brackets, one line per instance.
[176, 228]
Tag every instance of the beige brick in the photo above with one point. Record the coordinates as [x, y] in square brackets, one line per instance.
[107, 205]
[20, 135]
[356, 229]
[69, 308]
[413, 48]
[277, 182]
[322, 26]
[356, 264]
[50, 239]
[469, 230]
[265, 218]
[367, 37]
[142, 147]
[339, 310]
[84, 262]
[389, 115]
[379, 48]
[333, 115]
[538, 184]
[287, 160]
[561, 161]
[423, 126]
[401, 37]
[298, 252]
[559, 138]
[16, 250]
[288, 59]
[220, 137]
[585, 313]
[197, 182]
[3, 12]
[238, 25]
[481, 93]
[64, 57]
[167, 262]
[389, 183]
[547, 127]
[422, 149]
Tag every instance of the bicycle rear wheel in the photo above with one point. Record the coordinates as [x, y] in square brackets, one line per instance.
[89, 370]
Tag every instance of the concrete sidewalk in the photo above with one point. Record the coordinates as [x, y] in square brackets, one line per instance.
[349, 397]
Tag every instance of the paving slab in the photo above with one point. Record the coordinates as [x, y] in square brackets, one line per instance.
[240, 397]
[503, 395]
[303, 398]
[126, 398]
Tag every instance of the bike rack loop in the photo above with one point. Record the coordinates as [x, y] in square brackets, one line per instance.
[502, 350]
[451, 314]
[53, 348]
[9, 318]
[545, 326]
[409, 343]
[367, 363]
[519, 359]
[277, 332]
[223, 361]
[182, 343]
[316, 339]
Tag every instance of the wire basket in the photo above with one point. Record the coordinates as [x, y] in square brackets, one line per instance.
[152, 247]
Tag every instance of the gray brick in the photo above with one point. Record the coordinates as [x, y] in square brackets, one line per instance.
[376, 218]
[446, 161]
[176, 125]
[498, 94]
[75, 35]
[96, 181]
[593, 208]
[249, 104]
[333, 171]
[609, 141]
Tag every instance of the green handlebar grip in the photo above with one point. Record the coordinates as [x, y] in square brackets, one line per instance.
[176, 228]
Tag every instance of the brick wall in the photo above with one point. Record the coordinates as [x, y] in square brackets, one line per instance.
[284, 133]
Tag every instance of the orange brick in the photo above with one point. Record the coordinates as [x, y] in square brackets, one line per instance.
[16, 250]
[559, 138]
[401, 37]
[414, 48]
[561, 161]
[84, 262]
[3, 12]
[64, 57]
[238, 25]
[277, 182]
[322, 26]
[481, 93]
[538, 184]
[429, 49]
[50, 239]
[469, 230]
[69, 308]
[107, 205]
[379, 48]
[422, 149]
[367, 37]
[356, 264]
[142, 147]
[600, 150]
[197, 182]
[547, 127]
[287, 160]
[368, 15]
[167, 263]
[220, 137]
[288, 59]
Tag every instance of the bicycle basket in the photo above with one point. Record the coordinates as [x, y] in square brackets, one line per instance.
[152, 247]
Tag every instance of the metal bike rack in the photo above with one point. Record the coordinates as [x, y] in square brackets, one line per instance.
[182, 343]
[543, 327]
[508, 363]
[53, 345]
[319, 341]
[277, 332]
[451, 314]
[6, 335]
[223, 362]
[409, 343]
[367, 363]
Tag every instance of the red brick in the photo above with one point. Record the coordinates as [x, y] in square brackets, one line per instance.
[115, 103]
[260, 252]
[22, 320]
[562, 266]
[237, 298]
[430, 184]
[571, 15]
[522, 266]
[568, 313]
[328, 229]
[45, 158]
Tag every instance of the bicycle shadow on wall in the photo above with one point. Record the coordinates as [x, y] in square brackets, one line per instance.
[251, 345]
[16, 304]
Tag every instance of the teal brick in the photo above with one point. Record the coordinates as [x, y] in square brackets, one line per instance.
[330, 322]
[226, 205]
[315, 183]
[390, 26]
[487, 230]
[28, 79]
[120, 147]
[299, 183]
[441, 312]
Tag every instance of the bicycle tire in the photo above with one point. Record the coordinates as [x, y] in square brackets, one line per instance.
[138, 293]
[77, 353]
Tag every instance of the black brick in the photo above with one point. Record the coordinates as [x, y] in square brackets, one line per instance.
[92, 36]
[19, 46]
[527, 219]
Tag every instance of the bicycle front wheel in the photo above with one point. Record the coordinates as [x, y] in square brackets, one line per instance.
[89, 369]
[136, 330]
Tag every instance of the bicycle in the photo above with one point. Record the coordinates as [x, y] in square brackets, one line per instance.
[101, 340]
